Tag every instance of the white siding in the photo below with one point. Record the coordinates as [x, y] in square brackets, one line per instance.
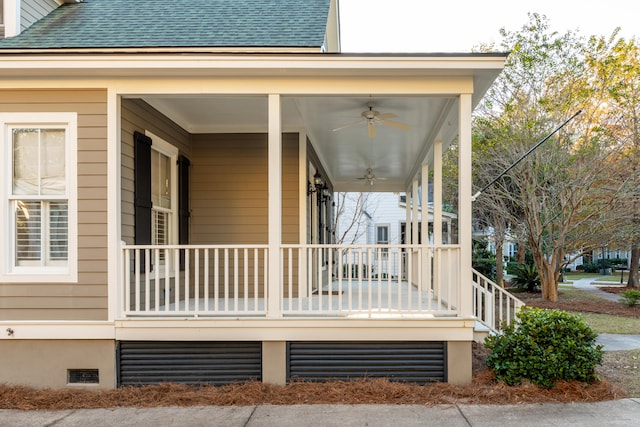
[34, 10]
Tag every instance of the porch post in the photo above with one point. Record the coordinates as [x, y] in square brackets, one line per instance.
[426, 262]
[275, 206]
[437, 193]
[464, 203]
[414, 213]
[437, 214]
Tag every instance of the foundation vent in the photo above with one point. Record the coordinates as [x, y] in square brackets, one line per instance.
[415, 362]
[188, 362]
[83, 376]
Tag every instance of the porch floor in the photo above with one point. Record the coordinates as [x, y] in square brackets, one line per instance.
[355, 299]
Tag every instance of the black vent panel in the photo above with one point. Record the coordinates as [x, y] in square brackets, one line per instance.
[218, 363]
[416, 362]
[83, 376]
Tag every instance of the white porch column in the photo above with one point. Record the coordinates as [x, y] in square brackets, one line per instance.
[274, 290]
[414, 213]
[437, 193]
[407, 223]
[424, 214]
[464, 203]
[11, 18]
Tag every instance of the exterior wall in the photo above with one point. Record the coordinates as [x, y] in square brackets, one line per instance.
[86, 299]
[139, 116]
[44, 363]
[33, 10]
[229, 189]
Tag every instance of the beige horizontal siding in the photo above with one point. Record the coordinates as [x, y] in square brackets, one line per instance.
[229, 198]
[87, 299]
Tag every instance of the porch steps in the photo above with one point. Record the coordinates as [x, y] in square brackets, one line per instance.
[480, 332]
[493, 306]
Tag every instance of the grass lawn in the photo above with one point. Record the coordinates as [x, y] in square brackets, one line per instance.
[608, 324]
[577, 276]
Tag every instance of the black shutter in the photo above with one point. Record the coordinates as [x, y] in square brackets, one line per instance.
[142, 197]
[183, 204]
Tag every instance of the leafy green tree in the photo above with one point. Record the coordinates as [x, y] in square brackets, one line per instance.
[560, 196]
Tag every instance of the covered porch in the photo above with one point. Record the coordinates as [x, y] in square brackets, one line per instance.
[252, 232]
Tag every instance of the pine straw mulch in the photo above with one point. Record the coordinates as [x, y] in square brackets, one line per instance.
[574, 302]
[483, 390]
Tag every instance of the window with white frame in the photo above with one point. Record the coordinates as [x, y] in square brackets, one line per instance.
[163, 193]
[38, 197]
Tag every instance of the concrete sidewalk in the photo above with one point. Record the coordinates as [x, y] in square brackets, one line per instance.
[624, 412]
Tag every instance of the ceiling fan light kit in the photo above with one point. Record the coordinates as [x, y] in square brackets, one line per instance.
[373, 117]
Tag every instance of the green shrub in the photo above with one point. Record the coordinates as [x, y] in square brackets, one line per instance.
[512, 266]
[485, 266]
[526, 277]
[544, 346]
[631, 297]
[590, 267]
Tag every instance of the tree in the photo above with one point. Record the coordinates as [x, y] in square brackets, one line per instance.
[561, 194]
[617, 64]
[351, 216]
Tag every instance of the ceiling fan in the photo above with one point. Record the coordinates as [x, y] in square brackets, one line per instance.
[372, 117]
[370, 177]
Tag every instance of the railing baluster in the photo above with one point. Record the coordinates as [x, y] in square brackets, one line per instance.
[196, 277]
[246, 279]
[147, 278]
[256, 265]
[156, 279]
[137, 283]
[127, 281]
[206, 280]
[290, 277]
[216, 279]
[226, 280]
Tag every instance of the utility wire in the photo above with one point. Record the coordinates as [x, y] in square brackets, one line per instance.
[531, 150]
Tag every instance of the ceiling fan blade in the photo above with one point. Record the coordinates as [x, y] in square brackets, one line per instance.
[348, 125]
[371, 129]
[397, 125]
[385, 116]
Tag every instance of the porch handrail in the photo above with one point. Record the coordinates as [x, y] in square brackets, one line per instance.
[370, 279]
[493, 306]
[194, 280]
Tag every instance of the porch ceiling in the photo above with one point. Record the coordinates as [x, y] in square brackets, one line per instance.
[393, 154]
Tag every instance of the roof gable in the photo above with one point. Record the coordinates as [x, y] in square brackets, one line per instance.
[178, 24]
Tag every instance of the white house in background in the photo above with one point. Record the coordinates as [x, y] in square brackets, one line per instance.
[383, 222]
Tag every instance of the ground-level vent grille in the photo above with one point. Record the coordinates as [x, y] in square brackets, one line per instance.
[83, 376]
[183, 362]
[417, 362]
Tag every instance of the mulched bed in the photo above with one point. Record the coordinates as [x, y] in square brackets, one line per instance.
[568, 303]
[483, 390]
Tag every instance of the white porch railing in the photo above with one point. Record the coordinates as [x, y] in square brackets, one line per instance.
[492, 305]
[194, 280]
[370, 280]
[315, 280]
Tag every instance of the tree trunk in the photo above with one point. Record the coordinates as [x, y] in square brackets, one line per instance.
[499, 270]
[633, 267]
[521, 253]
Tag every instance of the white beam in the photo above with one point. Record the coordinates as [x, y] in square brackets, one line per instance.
[437, 193]
[275, 205]
[464, 203]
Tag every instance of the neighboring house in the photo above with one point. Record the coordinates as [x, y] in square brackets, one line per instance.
[168, 169]
[384, 223]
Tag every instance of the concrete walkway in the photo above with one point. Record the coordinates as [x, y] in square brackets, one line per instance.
[611, 342]
[585, 285]
[624, 412]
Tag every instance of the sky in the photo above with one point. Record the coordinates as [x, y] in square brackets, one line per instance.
[459, 25]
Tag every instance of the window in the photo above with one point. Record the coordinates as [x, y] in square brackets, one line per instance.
[163, 193]
[382, 234]
[161, 199]
[39, 205]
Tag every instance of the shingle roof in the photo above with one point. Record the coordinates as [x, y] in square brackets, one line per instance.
[178, 23]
